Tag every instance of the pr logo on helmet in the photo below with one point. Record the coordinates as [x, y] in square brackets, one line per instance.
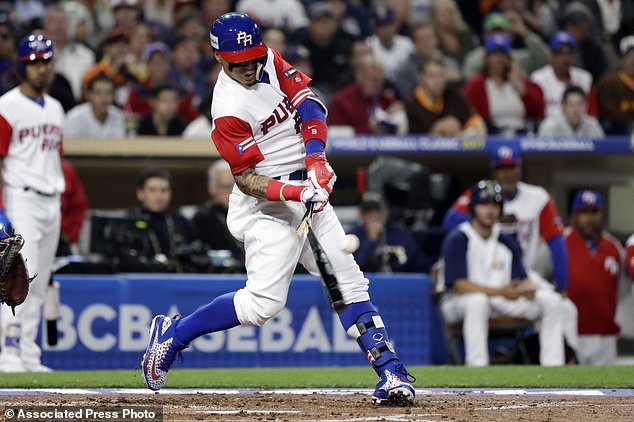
[244, 38]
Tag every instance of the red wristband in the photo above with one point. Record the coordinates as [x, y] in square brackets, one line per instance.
[315, 129]
[278, 191]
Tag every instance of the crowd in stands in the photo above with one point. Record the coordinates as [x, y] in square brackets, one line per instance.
[444, 67]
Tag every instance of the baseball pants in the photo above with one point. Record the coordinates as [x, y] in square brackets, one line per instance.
[38, 219]
[475, 309]
[273, 249]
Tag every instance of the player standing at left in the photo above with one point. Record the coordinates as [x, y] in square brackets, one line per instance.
[271, 129]
[31, 144]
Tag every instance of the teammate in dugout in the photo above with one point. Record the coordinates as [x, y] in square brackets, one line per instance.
[31, 143]
[271, 129]
[483, 270]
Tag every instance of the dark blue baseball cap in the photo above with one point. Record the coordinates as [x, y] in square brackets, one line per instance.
[498, 41]
[587, 200]
[562, 38]
[506, 155]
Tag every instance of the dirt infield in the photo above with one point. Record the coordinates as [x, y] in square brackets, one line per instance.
[349, 407]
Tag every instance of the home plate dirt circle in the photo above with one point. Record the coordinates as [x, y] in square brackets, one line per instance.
[340, 404]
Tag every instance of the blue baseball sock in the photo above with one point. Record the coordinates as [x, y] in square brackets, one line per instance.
[218, 315]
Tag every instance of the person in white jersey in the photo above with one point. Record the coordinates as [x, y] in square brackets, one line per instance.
[31, 144]
[484, 273]
[270, 127]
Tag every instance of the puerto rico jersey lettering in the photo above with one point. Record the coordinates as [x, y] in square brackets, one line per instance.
[31, 142]
[259, 124]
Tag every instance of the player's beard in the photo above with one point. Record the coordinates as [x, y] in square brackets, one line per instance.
[40, 84]
[37, 85]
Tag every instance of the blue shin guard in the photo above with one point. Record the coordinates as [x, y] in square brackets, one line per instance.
[363, 323]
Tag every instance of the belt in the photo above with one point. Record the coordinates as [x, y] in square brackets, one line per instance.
[296, 175]
[50, 195]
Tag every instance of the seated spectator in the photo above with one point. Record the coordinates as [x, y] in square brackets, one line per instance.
[98, 117]
[9, 77]
[503, 96]
[629, 257]
[520, 10]
[140, 37]
[390, 49]
[595, 262]
[527, 49]
[210, 221]
[200, 128]
[288, 15]
[72, 59]
[126, 14]
[485, 276]
[385, 246]
[355, 18]
[572, 119]
[186, 75]
[275, 39]
[579, 21]
[163, 120]
[440, 111]
[156, 57]
[329, 48]
[560, 73]
[612, 20]
[74, 210]
[168, 232]
[616, 93]
[425, 48]
[114, 63]
[455, 39]
[366, 105]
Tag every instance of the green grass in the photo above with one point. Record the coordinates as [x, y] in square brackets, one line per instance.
[355, 377]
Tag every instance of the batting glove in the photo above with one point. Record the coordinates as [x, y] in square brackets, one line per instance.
[320, 174]
[317, 196]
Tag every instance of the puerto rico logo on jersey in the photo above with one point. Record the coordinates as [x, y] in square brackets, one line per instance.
[244, 38]
[610, 265]
[244, 145]
[505, 153]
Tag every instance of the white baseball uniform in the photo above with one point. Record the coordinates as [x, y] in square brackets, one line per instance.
[31, 146]
[259, 125]
[493, 262]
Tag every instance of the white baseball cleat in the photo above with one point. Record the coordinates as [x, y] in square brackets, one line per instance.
[162, 350]
[394, 388]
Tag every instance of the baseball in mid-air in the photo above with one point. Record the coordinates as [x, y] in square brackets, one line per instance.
[349, 243]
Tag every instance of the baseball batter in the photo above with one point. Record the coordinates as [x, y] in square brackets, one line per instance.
[270, 128]
[484, 272]
[31, 144]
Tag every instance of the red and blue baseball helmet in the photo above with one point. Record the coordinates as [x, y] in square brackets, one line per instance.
[237, 38]
[34, 47]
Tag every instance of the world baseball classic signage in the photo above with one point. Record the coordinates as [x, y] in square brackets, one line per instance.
[104, 322]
